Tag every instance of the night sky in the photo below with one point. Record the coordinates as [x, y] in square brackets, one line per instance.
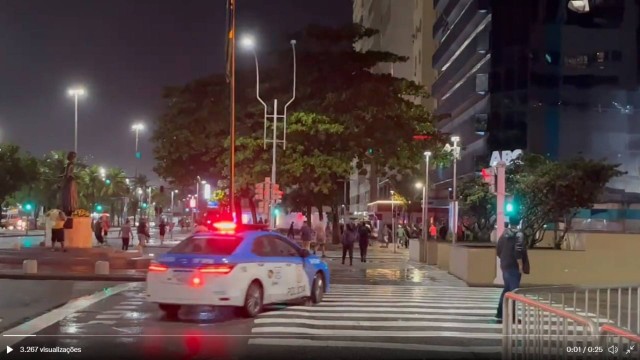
[123, 52]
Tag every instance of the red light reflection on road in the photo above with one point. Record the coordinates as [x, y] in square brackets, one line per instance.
[161, 343]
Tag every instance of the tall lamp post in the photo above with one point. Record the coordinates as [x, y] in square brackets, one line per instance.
[455, 150]
[393, 222]
[76, 92]
[137, 128]
[249, 43]
[425, 198]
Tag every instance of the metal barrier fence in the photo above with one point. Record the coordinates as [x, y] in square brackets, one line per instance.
[572, 322]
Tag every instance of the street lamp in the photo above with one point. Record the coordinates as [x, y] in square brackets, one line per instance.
[455, 150]
[76, 92]
[137, 128]
[425, 198]
[103, 172]
[419, 185]
[173, 192]
[248, 43]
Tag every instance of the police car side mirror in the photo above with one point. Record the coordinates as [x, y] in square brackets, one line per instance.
[305, 253]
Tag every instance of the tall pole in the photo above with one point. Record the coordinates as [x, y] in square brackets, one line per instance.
[274, 163]
[75, 146]
[137, 131]
[232, 163]
[425, 198]
[393, 223]
[500, 194]
[454, 224]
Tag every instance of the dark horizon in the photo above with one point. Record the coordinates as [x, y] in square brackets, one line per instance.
[124, 53]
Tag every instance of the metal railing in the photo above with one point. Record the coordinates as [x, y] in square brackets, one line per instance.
[572, 322]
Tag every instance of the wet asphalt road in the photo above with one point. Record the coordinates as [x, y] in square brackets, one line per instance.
[384, 309]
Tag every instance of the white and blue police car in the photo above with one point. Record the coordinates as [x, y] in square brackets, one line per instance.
[236, 265]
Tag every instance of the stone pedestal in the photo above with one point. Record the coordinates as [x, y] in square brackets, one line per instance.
[416, 247]
[80, 237]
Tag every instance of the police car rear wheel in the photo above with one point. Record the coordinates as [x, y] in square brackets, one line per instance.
[253, 300]
[317, 291]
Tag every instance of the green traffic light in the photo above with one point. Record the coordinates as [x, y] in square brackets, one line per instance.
[99, 208]
[28, 207]
[509, 207]
[108, 181]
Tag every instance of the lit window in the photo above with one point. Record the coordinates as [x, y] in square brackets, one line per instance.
[581, 61]
[601, 56]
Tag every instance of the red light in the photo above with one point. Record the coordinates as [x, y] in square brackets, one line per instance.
[226, 226]
[158, 267]
[217, 269]
[196, 281]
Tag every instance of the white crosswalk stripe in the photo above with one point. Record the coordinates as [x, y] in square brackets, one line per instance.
[425, 319]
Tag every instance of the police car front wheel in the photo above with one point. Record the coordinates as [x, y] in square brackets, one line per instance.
[317, 291]
[253, 300]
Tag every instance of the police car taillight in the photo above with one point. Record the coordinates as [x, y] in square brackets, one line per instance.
[155, 267]
[216, 269]
[196, 281]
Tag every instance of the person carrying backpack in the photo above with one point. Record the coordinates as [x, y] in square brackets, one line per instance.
[514, 260]
[349, 237]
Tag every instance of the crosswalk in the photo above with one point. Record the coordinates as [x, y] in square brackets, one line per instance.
[425, 319]
[390, 274]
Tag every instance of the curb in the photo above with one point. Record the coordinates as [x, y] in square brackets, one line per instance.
[76, 277]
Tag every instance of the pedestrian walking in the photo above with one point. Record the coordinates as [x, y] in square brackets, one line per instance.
[433, 231]
[143, 233]
[162, 230]
[57, 230]
[363, 241]
[126, 234]
[400, 237]
[348, 239]
[514, 260]
[321, 238]
[97, 231]
[305, 235]
[291, 233]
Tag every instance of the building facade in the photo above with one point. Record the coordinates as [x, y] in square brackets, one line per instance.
[537, 76]
[405, 28]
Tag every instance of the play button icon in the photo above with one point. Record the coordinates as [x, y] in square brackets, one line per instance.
[9, 349]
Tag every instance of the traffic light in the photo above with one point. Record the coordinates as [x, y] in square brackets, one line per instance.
[28, 207]
[138, 155]
[107, 181]
[510, 206]
[98, 208]
[370, 152]
[144, 205]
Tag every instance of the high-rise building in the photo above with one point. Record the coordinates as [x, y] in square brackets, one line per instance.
[538, 76]
[404, 29]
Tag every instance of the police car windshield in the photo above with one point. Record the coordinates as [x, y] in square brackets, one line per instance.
[207, 245]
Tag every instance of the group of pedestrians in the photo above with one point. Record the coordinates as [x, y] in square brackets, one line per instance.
[126, 232]
[308, 236]
[355, 233]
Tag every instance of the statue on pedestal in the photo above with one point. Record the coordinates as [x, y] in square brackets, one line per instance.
[69, 186]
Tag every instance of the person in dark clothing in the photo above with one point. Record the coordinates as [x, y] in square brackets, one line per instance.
[443, 232]
[162, 231]
[291, 234]
[363, 241]
[348, 239]
[512, 252]
[97, 230]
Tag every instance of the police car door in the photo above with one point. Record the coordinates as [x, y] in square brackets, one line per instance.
[296, 279]
[270, 269]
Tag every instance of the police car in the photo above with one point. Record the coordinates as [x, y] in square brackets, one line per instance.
[235, 266]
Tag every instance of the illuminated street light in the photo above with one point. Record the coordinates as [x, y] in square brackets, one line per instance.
[76, 92]
[419, 185]
[248, 42]
[137, 128]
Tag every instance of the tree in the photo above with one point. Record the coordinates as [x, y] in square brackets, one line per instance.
[18, 170]
[341, 111]
[571, 185]
[478, 203]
